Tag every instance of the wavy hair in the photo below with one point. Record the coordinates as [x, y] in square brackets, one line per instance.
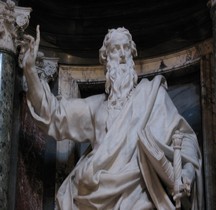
[107, 39]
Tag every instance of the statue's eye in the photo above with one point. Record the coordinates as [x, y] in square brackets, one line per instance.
[117, 47]
[114, 49]
[126, 47]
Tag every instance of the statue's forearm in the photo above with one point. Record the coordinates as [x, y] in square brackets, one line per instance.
[35, 89]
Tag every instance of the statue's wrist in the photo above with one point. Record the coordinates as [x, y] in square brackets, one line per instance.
[188, 171]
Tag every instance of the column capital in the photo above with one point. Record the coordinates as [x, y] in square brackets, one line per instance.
[47, 69]
[13, 21]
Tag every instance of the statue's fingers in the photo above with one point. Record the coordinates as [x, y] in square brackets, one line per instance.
[22, 43]
[22, 47]
[177, 196]
[177, 136]
[38, 34]
[177, 132]
[31, 42]
[25, 57]
[186, 180]
[37, 42]
[29, 38]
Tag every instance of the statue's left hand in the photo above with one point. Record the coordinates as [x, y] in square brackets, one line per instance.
[188, 176]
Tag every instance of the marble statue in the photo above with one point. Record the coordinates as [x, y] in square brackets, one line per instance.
[144, 154]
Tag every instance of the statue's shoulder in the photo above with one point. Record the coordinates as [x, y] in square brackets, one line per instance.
[96, 100]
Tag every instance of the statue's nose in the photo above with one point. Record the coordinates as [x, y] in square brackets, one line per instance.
[122, 52]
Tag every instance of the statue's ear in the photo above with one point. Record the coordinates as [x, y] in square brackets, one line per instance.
[134, 50]
[134, 53]
[102, 56]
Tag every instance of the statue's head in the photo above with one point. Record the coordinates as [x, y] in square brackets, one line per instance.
[116, 55]
[117, 44]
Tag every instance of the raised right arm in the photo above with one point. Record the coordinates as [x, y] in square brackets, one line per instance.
[29, 50]
[62, 119]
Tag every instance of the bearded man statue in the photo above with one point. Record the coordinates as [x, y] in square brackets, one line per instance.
[133, 164]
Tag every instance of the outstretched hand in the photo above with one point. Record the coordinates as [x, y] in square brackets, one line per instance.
[29, 50]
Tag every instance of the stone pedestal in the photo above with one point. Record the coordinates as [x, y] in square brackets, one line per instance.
[13, 21]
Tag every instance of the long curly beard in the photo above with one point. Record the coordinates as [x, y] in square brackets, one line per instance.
[120, 80]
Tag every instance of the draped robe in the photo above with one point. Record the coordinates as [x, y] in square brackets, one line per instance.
[118, 173]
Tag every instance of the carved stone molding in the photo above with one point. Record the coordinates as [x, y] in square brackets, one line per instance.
[165, 63]
[13, 21]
